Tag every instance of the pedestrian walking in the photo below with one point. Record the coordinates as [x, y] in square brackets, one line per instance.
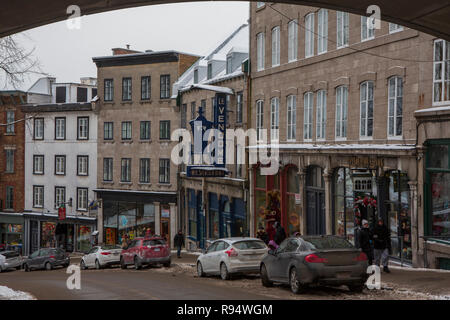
[262, 234]
[178, 241]
[272, 245]
[365, 239]
[382, 245]
[280, 234]
[124, 242]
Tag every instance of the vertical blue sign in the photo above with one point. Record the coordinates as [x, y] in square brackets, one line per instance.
[220, 123]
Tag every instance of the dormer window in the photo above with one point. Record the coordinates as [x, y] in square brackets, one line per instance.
[196, 76]
[209, 75]
[229, 64]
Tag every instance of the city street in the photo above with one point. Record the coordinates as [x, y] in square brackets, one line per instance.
[181, 282]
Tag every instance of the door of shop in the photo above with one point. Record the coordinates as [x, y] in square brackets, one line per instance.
[315, 201]
[34, 239]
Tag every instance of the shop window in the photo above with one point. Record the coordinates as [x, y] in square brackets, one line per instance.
[145, 219]
[127, 220]
[438, 189]
[83, 238]
[48, 239]
[110, 221]
[293, 215]
[192, 205]
[213, 216]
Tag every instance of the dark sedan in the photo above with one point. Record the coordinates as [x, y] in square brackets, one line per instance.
[46, 258]
[317, 260]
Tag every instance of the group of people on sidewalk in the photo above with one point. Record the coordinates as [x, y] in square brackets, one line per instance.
[376, 243]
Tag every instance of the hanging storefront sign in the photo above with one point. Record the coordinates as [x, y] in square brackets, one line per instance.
[366, 162]
[199, 127]
[62, 212]
[298, 198]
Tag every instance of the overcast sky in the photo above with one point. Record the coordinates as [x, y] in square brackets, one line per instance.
[195, 27]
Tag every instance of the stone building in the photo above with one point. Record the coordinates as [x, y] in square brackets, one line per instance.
[341, 101]
[213, 208]
[137, 182]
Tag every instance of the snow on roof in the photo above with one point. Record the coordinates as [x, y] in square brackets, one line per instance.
[210, 88]
[436, 109]
[336, 146]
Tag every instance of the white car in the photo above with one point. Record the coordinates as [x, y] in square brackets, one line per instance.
[101, 256]
[231, 256]
[10, 260]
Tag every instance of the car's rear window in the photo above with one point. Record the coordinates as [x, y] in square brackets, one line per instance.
[154, 242]
[110, 247]
[10, 254]
[249, 244]
[324, 243]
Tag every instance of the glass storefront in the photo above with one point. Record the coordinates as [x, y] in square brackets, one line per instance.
[48, 235]
[344, 213]
[127, 220]
[83, 238]
[11, 236]
[293, 215]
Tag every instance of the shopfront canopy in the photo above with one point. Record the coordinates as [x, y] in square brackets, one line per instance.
[431, 16]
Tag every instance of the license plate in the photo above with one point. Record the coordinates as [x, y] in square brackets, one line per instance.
[116, 253]
[157, 249]
[343, 275]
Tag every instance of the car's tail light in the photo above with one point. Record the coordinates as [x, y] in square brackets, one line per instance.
[361, 257]
[52, 257]
[106, 253]
[232, 253]
[312, 258]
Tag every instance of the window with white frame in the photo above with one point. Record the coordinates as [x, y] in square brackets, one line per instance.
[276, 46]
[395, 106]
[393, 27]
[38, 196]
[82, 199]
[274, 119]
[367, 28]
[60, 196]
[342, 32]
[341, 112]
[107, 169]
[82, 165]
[309, 35]
[441, 73]
[125, 174]
[38, 128]
[144, 170]
[83, 128]
[38, 164]
[292, 40]
[291, 117]
[9, 160]
[259, 119]
[366, 109]
[60, 128]
[308, 115]
[321, 114]
[260, 51]
[10, 115]
[60, 165]
[322, 26]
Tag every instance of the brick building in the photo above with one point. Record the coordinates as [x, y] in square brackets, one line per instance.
[12, 170]
[339, 99]
[137, 182]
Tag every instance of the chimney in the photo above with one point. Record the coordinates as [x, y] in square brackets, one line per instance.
[127, 50]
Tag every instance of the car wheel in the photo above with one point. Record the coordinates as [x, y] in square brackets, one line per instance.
[82, 265]
[48, 266]
[200, 272]
[167, 264]
[26, 267]
[97, 265]
[137, 263]
[122, 264]
[19, 267]
[356, 288]
[294, 282]
[265, 277]
[1, 269]
[224, 274]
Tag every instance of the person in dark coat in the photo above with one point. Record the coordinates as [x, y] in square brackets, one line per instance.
[382, 245]
[365, 241]
[178, 241]
[280, 234]
[262, 234]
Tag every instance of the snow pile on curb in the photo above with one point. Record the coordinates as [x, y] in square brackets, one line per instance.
[427, 296]
[10, 294]
[420, 269]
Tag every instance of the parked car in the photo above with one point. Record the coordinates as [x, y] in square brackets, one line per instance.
[10, 260]
[322, 260]
[145, 251]
[101, 256]
[46, 258]
[229, 256]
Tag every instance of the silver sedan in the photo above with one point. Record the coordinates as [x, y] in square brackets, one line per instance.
[229, 256]
[10, 260]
